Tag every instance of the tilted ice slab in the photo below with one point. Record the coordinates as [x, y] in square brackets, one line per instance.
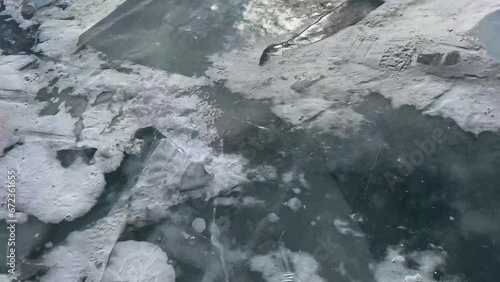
[84, 255]
[262, 19]
[104, 105]
[409, 51]
[171, 39]
[46, 189]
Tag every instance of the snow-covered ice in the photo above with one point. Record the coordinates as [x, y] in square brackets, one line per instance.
[138, 261]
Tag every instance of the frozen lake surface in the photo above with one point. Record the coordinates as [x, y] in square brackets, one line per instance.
[193, 180]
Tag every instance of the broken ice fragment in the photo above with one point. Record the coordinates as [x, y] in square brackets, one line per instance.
[199, 225]
[488, 33]
[415, 278]
[138, 261]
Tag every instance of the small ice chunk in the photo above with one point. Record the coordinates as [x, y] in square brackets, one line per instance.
[303, 181]
[199, 224]
[225, 202]
[245, 201]
[415, 278]
[296, 190]
[251, 201]
[294, 204]
[107, 152]
[273, 217]
[214, 7]
[287, 177]
[342, 269]
[21, 217]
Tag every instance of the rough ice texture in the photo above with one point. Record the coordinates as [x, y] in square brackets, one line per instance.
[267, 19]
[279, 18]
[85, 253]
[13, 8]
[76, 98]
[137, 262]
[431, 64]
[342, 227]
[113, 105]
[46, 189]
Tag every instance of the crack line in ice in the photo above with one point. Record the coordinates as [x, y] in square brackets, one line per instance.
[215, 230]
